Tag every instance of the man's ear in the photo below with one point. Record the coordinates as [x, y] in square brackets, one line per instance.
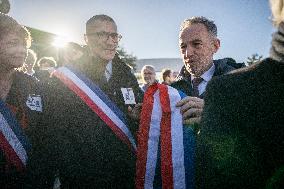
[86, 39]
[216, 45]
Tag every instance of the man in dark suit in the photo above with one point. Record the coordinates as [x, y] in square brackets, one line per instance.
[81, 145]
[241, 143]
[198, 43]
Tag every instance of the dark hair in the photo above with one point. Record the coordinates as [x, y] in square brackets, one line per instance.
[209, 24]
[166, 73]
[9, 25]
[75, 46]
[148, 67]
[49, 60]
[70, 46]
[100, 17]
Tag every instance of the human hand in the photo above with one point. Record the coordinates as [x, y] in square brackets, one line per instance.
[191, 109]
[135, 112]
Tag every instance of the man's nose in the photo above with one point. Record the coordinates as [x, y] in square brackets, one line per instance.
[110, 41]
[188, 51]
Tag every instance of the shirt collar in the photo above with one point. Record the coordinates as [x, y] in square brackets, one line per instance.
[108, 70]
[208, 74]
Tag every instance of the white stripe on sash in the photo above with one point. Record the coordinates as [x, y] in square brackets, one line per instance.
[92, 95]
[177, 140]
[153, 142]
[13, 140]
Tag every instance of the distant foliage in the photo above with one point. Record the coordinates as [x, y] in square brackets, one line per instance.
[255, 58]
[129, 59]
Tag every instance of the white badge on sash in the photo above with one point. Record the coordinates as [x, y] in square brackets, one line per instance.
[128, 95]
[34, 103]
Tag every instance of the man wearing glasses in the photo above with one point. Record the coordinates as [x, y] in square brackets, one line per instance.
[104, 64]
[89, 141]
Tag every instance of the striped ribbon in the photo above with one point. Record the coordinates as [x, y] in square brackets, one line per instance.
[165, 147]
[13, 141]
[98, 101]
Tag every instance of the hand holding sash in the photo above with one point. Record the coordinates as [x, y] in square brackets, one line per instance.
[135, 112]
[191, 109]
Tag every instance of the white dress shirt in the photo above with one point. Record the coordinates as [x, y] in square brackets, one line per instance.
[108, 71]
[207, 76]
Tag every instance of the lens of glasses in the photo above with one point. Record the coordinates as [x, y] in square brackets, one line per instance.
[105, 35]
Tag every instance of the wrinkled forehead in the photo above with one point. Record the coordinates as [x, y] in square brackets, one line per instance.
[148, 71]
[193, 32]
[99, 26]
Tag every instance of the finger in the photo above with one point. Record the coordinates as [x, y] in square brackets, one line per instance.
[187, 106]
[129, 109]
[192, 112]
[192, 121]
[139, 104]
[199, 104]
[191, 99]
[195, 99]
[182, 101]
[190, 105]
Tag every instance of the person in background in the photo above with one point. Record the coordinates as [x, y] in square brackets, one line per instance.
[148, 74]
[167, 76]
[242, 128]
[175, 74]
[46, 67]
[47, 63]
[21, 103]
[71, 53]
[5, 6]
[198, 43]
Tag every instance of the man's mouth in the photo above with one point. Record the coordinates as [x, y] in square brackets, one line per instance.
[18, 57]
[111, 50]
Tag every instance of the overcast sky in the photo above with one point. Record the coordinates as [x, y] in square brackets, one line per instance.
[150, 27]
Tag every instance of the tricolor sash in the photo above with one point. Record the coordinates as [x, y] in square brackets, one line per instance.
[13, 141]
[98, 101]
[165, 153]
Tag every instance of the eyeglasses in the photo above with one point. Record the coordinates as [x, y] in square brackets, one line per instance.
[105, 36]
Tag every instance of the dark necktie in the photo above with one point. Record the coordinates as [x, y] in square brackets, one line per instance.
[195, 82]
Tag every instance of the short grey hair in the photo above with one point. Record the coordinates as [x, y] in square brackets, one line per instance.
[209, 24]
[148, 67]
[99, 17]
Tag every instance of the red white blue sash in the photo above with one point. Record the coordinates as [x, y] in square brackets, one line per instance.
[13, 141]
[161, 141]
[98, 101]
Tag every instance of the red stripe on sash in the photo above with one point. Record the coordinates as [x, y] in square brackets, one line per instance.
[166, 139]
[143, 136]
[71, 85]
[10, 154]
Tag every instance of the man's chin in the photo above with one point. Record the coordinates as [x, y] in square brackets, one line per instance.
[109, 56]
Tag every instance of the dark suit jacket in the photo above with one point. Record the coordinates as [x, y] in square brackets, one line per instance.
[241, 144]
[77, 144]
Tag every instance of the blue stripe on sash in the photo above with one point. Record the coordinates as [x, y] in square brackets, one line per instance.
[100, 94]
[189, 143]
[14, 125]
